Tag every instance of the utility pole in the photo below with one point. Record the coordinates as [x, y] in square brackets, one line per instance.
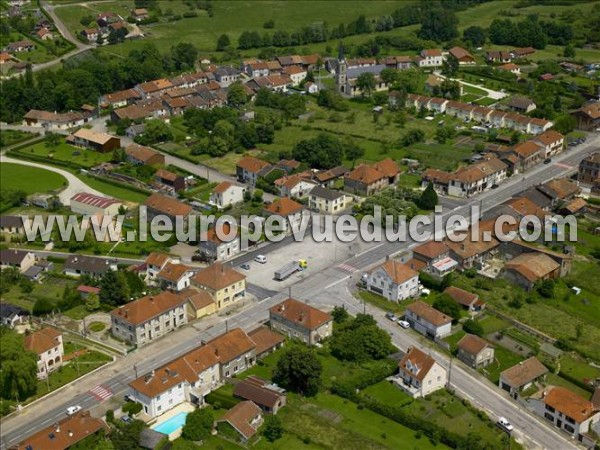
[450, 372]
[135, 370]
[290, 291]
[226, 326]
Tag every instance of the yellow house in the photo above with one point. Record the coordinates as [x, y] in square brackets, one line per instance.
[327, 201]
[199, 303]
[224, 284]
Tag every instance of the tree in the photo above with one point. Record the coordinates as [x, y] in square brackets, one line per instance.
[339, 314]
[366, 83]
[114, 290]
[18, 377]
[450, 66]
[236, 95]
[472, 327]
[269, 24]
[474, 35]
[565, 123]
[448, 306]
[546, 288]
[389, 76]
[438, 25]
[92, 302]
[569, 51]
[184, 55]
[360, 340]
[258, 196]
[127, 437]
[354, 152]
[223, 42]
[42, 306]
[132, 408]
[155, 131]
[322, 152]
[412, 137]
[514, 137]
[442, 134]
[52, 140]
[298, 369]
[198, 424]
[273, 429]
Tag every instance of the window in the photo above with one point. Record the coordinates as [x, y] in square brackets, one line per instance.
[550, 408]
[569, 428]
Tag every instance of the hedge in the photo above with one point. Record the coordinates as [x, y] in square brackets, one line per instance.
[575, 381]
[221, 400]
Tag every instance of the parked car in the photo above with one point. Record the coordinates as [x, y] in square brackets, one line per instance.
[391, 316]
[260, 259]
[73, 409]
[125, 418]
[505, 424]
[404, 324]
[547, 160]
[245, 266]
[128, 398]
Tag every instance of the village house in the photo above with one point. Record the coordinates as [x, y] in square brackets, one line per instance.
[588, 117]
[275, 83]
[224, 284]
[366, 179]
[266, 340]
[521, 104]
[394, 280]
[496, 56]
[47, 344]
[226, 193]
[256, 68]
[175, 277]
[78, 265]
[297, 320]
[155, 262]
[19, 259]
[75, 428]
[559, 190]
[53, 120]
[464, 298]
[100, 142]
[199, 303]
[267, 396]
[461, 55]
[475, 351]
[91, 34]
[328, 178]
[158, 204]
[430, 58]
[296, 74]
[468, 181]
[134, 130]
[522, 52]
[248, 169]
[44, 34]
[432, 257]
[140, 155]
[154, 88]
[5, 57]
[510, 67]
[551, 141]
[120, 98]
[295, 186]
[567, 411]
[245, 418]
[290, 212]
[398, 62]
[427, 320]
[226, 76]
[521, 376]
[419, 374]
[327, 201]
[20, 46]
[168, 181]
[13, 225]
[589, 169]
[12, 315]
[144, 320]
[527, 269]
[472, 252]
[90, 204]
[575, 207]
[216, 249]
[529, 153]
[140, 14]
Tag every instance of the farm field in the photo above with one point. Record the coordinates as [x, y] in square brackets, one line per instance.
[29, 179]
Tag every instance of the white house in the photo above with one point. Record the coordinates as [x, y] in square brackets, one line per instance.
[175, 277]
[155, 262]
[19, 259]
[248, 169]
[47, 343]
[419, 374]
[217, 249]
[292, 212]
[394, 280]
[551, 141]
[327, 200]
[430, 58]
[226, 193]
[428, 321]
[294, 186]
[296, 73]
[567, 411]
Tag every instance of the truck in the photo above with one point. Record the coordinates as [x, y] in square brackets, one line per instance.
[290, 268]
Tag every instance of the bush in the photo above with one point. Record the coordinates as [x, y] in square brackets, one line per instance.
[42, 306]
[473, 327]
[132, 408]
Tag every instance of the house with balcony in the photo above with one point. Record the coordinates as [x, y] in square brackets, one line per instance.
[420, 374]
[146, 319]
[298, 320]
[248, 169]
[427, 320]
[47, 344]
[394, 281]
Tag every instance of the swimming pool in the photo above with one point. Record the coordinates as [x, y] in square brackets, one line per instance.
[173, 424]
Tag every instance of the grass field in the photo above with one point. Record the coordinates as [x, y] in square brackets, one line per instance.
[111, 190]
[503, 360]
[29, 179]
[65, 152]
[10, 137]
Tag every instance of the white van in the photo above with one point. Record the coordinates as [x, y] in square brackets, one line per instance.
[260, 259]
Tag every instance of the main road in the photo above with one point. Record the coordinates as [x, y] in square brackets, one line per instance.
[326, 289]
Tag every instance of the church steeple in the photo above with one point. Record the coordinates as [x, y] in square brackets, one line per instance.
[341, 76]
[341, 56]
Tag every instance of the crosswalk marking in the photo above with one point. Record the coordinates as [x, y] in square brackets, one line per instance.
[564, 166]
[101, 392]
[346, 268]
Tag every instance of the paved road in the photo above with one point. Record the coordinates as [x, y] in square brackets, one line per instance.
[75, 185]
[496, 95]
[326, 288]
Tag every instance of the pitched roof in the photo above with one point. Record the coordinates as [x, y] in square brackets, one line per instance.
[559, 188]
[157, 259]
[303, 315]
[431, 249]
[222, 187]
[549, 137]
[525, 207]
[472, 344]
[398, 272]
[140, 152]
[328, 194]
[256, 390]
[231, 345]
[174, 272]
[461, 296]
[460, 53]
[94, 200]
[524, 372]
[88, 264]
[431, 52]
[218, 276]
[88, 289]
[143, 309]
[64, 434]
[508, 67]
[265, 339]
[429, 313]
[533, 266]
[167, 205]
[569, 403]
[365, 174]
[197, 299]
[8, 256]
[575, 205]
[252, 164]
[166, 175]
[241, 416]
[592, 110]
[284, 207]
[42, 340]
[520, 102]
[416, 363]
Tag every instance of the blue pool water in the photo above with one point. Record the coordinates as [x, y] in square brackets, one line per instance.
[173, 424]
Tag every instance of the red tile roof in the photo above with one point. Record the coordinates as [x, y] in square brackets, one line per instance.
[217, 276]
[284, 207]
[143, 309]
[398, 272]
[429, 313]
[416, 363]
[472, 344]
[42, 340]
[301, 314]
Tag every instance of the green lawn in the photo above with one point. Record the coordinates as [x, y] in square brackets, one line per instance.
[120, 192]
[29, 179]
[493, 324]
[454, 338]
[439, 156]
[10, 137]
[51, 289]
[503, 360]
[474, 91]
[65, 152]
[578, 368]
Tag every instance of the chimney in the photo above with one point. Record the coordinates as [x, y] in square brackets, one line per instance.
[462, 246]
[57, 430]
[70, 433]
[217, 352]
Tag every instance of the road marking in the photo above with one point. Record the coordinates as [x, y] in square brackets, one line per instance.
[564, 166]
[337, 282]
[346, 268]
[101, 392]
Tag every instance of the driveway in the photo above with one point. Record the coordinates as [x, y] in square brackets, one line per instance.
[496, 95]
[75, 185]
